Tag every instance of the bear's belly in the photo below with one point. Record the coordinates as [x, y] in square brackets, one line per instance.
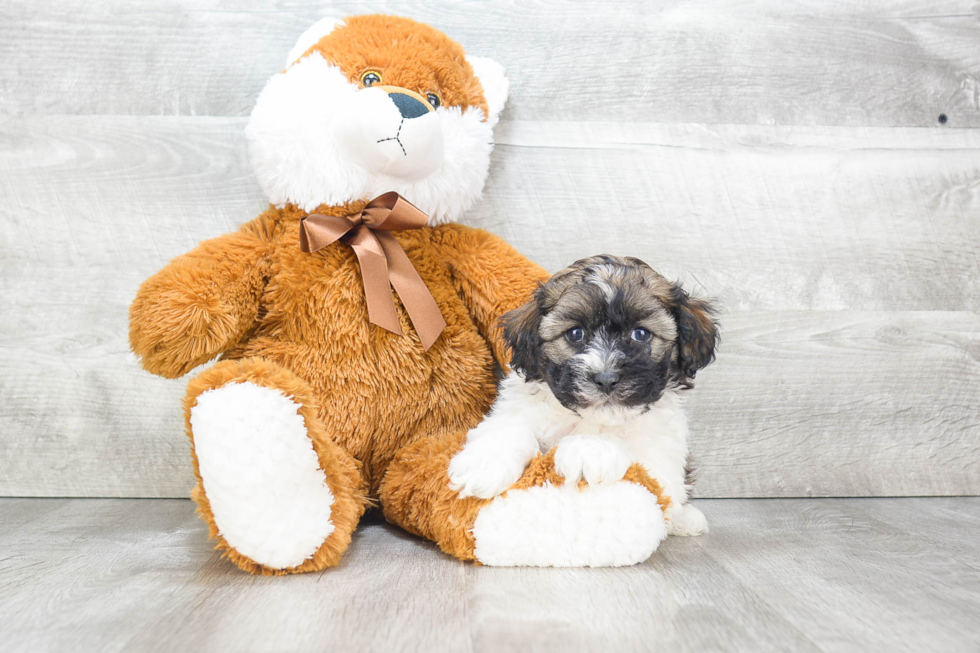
[377, 390]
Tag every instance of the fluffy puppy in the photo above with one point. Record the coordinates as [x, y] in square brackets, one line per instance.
[601, 355]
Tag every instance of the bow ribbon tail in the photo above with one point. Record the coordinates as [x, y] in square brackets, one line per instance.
[415, 296]
[374, 275]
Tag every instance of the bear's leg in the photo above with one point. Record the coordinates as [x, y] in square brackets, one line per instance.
[539, 521]
[278, 494]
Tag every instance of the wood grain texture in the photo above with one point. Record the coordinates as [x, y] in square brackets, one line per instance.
[841, 62]
[844, 573]
[92, 207]
[840, 404]
[845, 260]
[85, 575]
[783, 218]
[773, 575]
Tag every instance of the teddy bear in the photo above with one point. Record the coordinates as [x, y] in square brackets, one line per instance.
[334, 393]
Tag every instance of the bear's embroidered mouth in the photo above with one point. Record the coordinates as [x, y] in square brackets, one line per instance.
[395, 138]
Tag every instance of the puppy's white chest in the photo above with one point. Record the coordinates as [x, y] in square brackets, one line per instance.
[548, 439]
[563, 428]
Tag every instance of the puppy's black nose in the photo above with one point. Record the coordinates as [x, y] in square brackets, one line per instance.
[606, 381]
[408, 106]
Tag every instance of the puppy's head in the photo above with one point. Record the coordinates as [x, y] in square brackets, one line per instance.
[610, 333]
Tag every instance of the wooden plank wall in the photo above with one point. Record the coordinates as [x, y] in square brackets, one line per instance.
[784, 157]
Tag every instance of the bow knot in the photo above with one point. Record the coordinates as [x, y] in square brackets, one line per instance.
[383, 262]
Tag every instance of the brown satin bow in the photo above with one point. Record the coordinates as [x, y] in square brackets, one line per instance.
[383, 261]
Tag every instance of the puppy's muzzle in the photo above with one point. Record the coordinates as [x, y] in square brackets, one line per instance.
[606, 381]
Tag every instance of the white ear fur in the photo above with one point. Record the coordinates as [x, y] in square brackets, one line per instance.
[494, 83]
[311, 37]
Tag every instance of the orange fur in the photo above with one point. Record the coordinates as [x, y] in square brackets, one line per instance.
[416, 495]
[365, 392]
[406, 53]
[343, 473]
[200, 304]
[384, 416]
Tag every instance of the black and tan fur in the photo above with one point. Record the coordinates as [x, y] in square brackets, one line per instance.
[610, 296]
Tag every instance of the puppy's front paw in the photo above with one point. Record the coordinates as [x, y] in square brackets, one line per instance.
[686, 521]
[483, 469]
[597, 460]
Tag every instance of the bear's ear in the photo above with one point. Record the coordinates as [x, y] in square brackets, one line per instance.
[311, 37]
[494, 83]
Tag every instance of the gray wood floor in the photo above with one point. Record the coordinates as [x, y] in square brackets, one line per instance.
[773, 575]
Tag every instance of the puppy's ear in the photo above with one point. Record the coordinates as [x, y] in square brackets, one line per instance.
[697, 331]
[521, 327]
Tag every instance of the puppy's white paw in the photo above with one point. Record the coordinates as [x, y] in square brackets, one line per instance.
[484, 469]
[686, 521]
[595, 459]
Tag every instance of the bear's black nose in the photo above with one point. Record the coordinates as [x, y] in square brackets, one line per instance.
[606, 381]
[408, 106]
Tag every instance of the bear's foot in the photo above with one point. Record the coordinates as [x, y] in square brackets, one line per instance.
[280, 497]
[540, 521]
[609, 525]
[268, 495]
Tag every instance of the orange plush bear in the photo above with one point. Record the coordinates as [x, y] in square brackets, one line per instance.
[332, 393]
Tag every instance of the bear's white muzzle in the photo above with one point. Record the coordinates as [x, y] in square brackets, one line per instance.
[389, 135]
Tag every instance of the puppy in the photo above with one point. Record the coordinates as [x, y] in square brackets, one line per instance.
[601, 356]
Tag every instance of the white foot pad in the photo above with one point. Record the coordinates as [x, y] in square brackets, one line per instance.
[605, 526]
[686, 521]
[261, 475]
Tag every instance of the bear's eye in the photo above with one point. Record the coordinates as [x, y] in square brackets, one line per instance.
[370, 78]
[575, 334]
[641, 335]
[434, 100]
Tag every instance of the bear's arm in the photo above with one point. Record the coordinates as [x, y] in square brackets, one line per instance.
[202, 302]
[492, 278]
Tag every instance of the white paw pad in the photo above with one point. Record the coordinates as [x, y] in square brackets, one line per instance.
[594, 459]
[610, 525]
[268, 495]
[686, 521]
[486, 467]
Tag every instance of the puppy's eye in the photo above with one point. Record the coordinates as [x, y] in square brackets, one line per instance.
[575, 334]
[641, 335]
[370, 78]
[434, 100]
